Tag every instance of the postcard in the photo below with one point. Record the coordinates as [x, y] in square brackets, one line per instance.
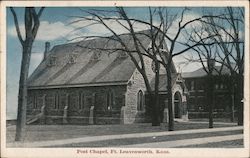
[124, 79]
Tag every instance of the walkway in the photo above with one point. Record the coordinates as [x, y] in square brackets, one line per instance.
[185, 142]
[141, 135]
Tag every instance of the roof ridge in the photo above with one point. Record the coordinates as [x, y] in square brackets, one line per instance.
[92, 39]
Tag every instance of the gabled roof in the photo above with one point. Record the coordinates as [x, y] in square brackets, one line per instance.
[108, 68]
[201, 72]
[163, 81]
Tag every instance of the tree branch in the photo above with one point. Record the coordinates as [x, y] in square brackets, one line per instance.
[17, 26]
[40, 12]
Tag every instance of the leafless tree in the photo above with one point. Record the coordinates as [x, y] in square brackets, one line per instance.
[225, 48]
[165, 43]
[207, 54]
[230, 26]
[173, 46]
[32, 22]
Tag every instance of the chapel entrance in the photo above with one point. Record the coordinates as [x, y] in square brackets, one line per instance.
[177, 105]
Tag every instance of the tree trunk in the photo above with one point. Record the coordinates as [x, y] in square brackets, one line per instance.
[22, 95]
[170, 99]
[156, 112]
[210, 99]
[239, 99]
[232, 118]
[232, 108]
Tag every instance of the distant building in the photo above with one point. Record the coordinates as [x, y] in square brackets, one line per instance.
[197, 103]
[74, 84]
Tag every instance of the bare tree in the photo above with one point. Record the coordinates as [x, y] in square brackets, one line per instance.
[235, 53]
[207, 54]
[138, 51]
[32, 22]
[164, 47]
[172, 47]
[226, 47]
[230, 25]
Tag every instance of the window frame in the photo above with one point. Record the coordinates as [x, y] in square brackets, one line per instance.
[140, 101]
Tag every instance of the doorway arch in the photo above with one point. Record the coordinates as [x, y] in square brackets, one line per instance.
[177, 105]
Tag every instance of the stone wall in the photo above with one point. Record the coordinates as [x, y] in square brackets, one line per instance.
[136, 83]
[163, 100]
[79, 101]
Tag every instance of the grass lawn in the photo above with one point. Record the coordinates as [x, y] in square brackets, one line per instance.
[55, 132]
[129, 141]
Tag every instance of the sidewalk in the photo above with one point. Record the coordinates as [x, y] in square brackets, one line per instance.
[185, 142]
[140, 135]
[206, 122]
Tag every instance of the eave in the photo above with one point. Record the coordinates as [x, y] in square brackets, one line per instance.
[118, 83]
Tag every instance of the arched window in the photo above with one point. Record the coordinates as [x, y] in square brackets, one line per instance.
[52, 61]
[110, 99]
[81, 100]
[177, 105]
[140, 101]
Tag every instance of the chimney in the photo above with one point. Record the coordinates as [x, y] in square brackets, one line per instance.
[211, 63]
[46, 51]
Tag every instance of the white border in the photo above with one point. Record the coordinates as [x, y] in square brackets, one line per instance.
[71, 152]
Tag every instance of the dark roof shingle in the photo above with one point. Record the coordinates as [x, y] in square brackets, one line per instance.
[110, 67]
[163, 82]
[201, 72]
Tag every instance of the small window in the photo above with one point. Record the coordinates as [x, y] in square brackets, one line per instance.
[72, 58]
[55, 101]
[50, 101]
[200, 86]
[191, 100]
[51, 61]
[217, 86]
[225, 86]
[96, 55]
[192, 85]
[179, 79]
[89, 102]
[222, 86]
[200, 101]
[94, 99]
[123, 54]
[35, 102]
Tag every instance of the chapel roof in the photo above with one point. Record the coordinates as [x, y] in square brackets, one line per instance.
[91, 66]
[163, 81]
